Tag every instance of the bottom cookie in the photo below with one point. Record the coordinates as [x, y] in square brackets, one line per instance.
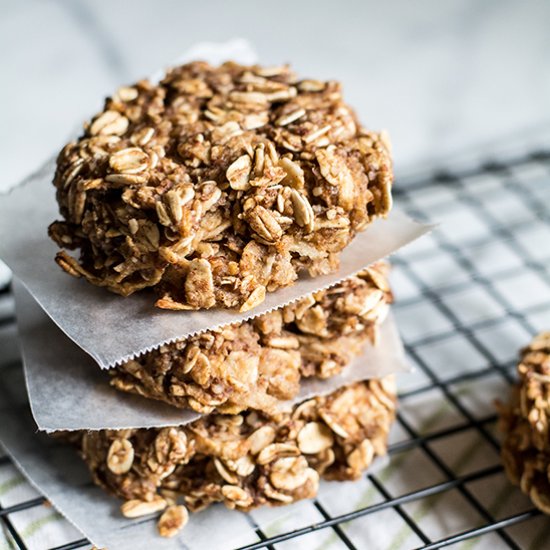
[524, 422]
[244, 460]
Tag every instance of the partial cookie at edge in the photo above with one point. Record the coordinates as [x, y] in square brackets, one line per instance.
[524, 422]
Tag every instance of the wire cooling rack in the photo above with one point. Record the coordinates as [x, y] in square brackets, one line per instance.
[468, 297]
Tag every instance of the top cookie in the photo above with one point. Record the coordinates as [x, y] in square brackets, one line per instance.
[217, 185]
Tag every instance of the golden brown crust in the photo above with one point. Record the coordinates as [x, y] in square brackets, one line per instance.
[218, 185]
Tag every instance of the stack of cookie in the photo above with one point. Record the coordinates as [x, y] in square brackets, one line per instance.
[209, 190]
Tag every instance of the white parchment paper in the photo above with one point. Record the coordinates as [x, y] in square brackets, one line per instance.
[112, 328]
[68, 392]
[57, 472]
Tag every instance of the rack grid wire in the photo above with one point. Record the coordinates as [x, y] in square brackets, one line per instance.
[469, 295]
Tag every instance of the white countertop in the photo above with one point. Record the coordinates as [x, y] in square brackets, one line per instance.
[442, 77]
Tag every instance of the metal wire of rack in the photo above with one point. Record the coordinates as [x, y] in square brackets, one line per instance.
[501, 204]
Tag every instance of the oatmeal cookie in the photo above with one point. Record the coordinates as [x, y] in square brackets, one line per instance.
[526, 447]
[217, 185]
[245, 460]
[257, 363]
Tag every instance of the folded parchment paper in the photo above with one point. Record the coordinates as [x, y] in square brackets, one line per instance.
[112, 328]
[58, 473]
[68, 392]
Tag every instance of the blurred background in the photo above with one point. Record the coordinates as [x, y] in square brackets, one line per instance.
[444, 77]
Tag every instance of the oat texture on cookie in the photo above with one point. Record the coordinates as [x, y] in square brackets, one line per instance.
[245, 460]
[217, 185]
